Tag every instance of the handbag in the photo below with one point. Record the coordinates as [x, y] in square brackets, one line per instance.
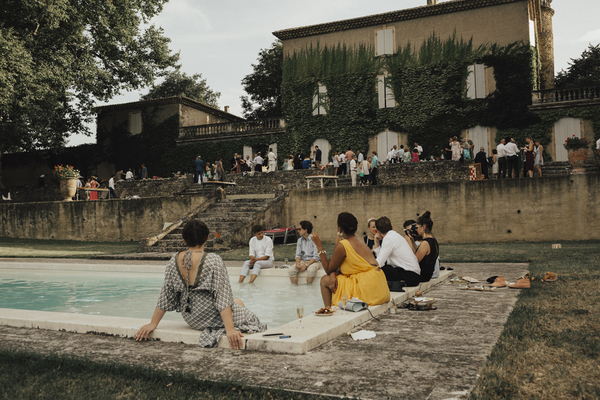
[396, 286]
[361, 175]
[353, 305]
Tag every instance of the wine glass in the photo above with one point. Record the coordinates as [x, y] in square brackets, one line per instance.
[300, 312]
[344, 301]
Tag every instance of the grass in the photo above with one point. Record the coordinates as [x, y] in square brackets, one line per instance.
[37, 248]
[549, 348]
[29, 376]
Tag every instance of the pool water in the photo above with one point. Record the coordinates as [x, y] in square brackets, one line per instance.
[273, 299]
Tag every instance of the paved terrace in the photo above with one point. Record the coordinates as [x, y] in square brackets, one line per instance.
[416, 355]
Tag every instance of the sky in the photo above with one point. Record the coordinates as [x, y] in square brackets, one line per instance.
[221, 39]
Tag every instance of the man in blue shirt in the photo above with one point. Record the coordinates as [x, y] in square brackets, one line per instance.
[198, 169]
[307, 255]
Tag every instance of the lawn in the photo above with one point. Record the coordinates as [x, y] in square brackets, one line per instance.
[549, 349]
[34, 248]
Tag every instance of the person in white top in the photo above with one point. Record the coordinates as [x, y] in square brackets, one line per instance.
[512, 158]
[272, 161]
[129, 175]
[400, 153]
[598, 147]
[249, 163]
[419, 150]
[258, 163]
[501, 159]
[394, 255]
[360, 158]
[391, 157]
[353, 169]
[261, 254]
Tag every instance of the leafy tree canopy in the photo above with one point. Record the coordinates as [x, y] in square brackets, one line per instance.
[264, 84]
[583, 71]
[58, 56]
[181, 84]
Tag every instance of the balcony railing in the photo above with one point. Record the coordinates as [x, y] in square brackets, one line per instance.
[565, 95]
[268, 125]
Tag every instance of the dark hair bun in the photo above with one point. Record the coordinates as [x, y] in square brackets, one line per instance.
[427, 214]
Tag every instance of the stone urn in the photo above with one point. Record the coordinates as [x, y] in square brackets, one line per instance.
[68, 188]
[578, 157]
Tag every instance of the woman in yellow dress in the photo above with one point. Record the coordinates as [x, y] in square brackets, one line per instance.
[353, 270]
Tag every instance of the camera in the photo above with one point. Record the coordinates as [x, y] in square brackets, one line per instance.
[412, 231]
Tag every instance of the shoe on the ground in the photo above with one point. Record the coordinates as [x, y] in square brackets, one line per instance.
[499, 282]
[522, 283]
[550, 277]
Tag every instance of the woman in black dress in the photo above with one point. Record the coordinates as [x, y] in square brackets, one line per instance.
[428, 251]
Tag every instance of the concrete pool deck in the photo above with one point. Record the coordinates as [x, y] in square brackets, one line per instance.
[316, 329]
[416, 355]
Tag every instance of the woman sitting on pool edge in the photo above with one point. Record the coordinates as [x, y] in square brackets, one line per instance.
[197, 285]
[352, 270]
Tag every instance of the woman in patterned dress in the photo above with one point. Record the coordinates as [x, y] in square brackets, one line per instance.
[197, 285]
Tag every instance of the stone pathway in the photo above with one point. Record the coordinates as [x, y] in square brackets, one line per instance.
[418, 355]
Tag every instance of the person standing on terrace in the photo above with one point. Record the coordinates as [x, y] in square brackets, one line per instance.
[197, 285]
[307, 258]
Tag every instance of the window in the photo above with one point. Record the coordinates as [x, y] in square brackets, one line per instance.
[476, 82]
[385, 93]
[532, 34]
[385, 42]
[319, 105]
[135, 122]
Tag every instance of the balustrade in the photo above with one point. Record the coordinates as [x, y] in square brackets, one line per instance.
[268, 125]
[563, 95]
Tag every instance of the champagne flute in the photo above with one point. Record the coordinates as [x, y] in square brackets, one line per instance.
[300, 312]
[344, 301]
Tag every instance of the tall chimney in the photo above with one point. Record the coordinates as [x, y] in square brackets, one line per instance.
[226, 108]
[431, 2]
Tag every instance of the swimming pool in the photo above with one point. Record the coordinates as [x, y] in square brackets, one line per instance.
[124, 294]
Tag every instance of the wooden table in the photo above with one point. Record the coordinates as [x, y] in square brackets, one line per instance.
[219, 184]
[320, 177]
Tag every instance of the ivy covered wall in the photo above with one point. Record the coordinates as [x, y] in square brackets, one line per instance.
[429, 85]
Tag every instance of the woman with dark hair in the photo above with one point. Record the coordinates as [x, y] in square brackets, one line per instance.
[529, 156]
[197, 285]
[369, 238]
[428, 251]
[353, 270]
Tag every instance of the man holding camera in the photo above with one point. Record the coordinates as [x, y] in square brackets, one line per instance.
[395, 256]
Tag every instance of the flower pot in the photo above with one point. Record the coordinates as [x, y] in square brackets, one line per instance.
[68, 188]
[578, 157]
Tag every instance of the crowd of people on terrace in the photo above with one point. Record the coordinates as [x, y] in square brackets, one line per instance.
[197, 283]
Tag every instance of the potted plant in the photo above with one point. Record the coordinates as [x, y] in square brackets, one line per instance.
[578, 151]
[67, 176]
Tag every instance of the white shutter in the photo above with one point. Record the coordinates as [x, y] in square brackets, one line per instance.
[322, 99]
[380, 43]
[381, 91]
[532, 35]
[471, 82]
[315, 103]
[479, 136]
[563, 129]
[389, 41]
[390, 101]
[479, 81]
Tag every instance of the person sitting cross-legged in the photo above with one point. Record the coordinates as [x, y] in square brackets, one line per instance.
[261, 254]
[307, 257]
[397, 259]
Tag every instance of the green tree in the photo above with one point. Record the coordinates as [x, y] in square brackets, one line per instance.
[264, 84]
[583, 71]
[57, 57]
[181, 84]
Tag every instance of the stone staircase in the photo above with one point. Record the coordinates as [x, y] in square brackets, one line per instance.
[223, 218]
[563, 168]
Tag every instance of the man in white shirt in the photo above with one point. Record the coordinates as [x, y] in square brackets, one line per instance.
[249, 163]
[353, 169]
[361, 157]
[598, 147]
[501, 159]
[394, 255]
[258, 163]
[512, 158]
[129, 175]
[391, 157]
[272, 161]
[261, 254]
[111, 188]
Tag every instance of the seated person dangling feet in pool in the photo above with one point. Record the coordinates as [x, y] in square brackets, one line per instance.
[261, 254]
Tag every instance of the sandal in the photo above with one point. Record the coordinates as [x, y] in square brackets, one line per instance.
[522, 283]
[550, 277]
[478, 288]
